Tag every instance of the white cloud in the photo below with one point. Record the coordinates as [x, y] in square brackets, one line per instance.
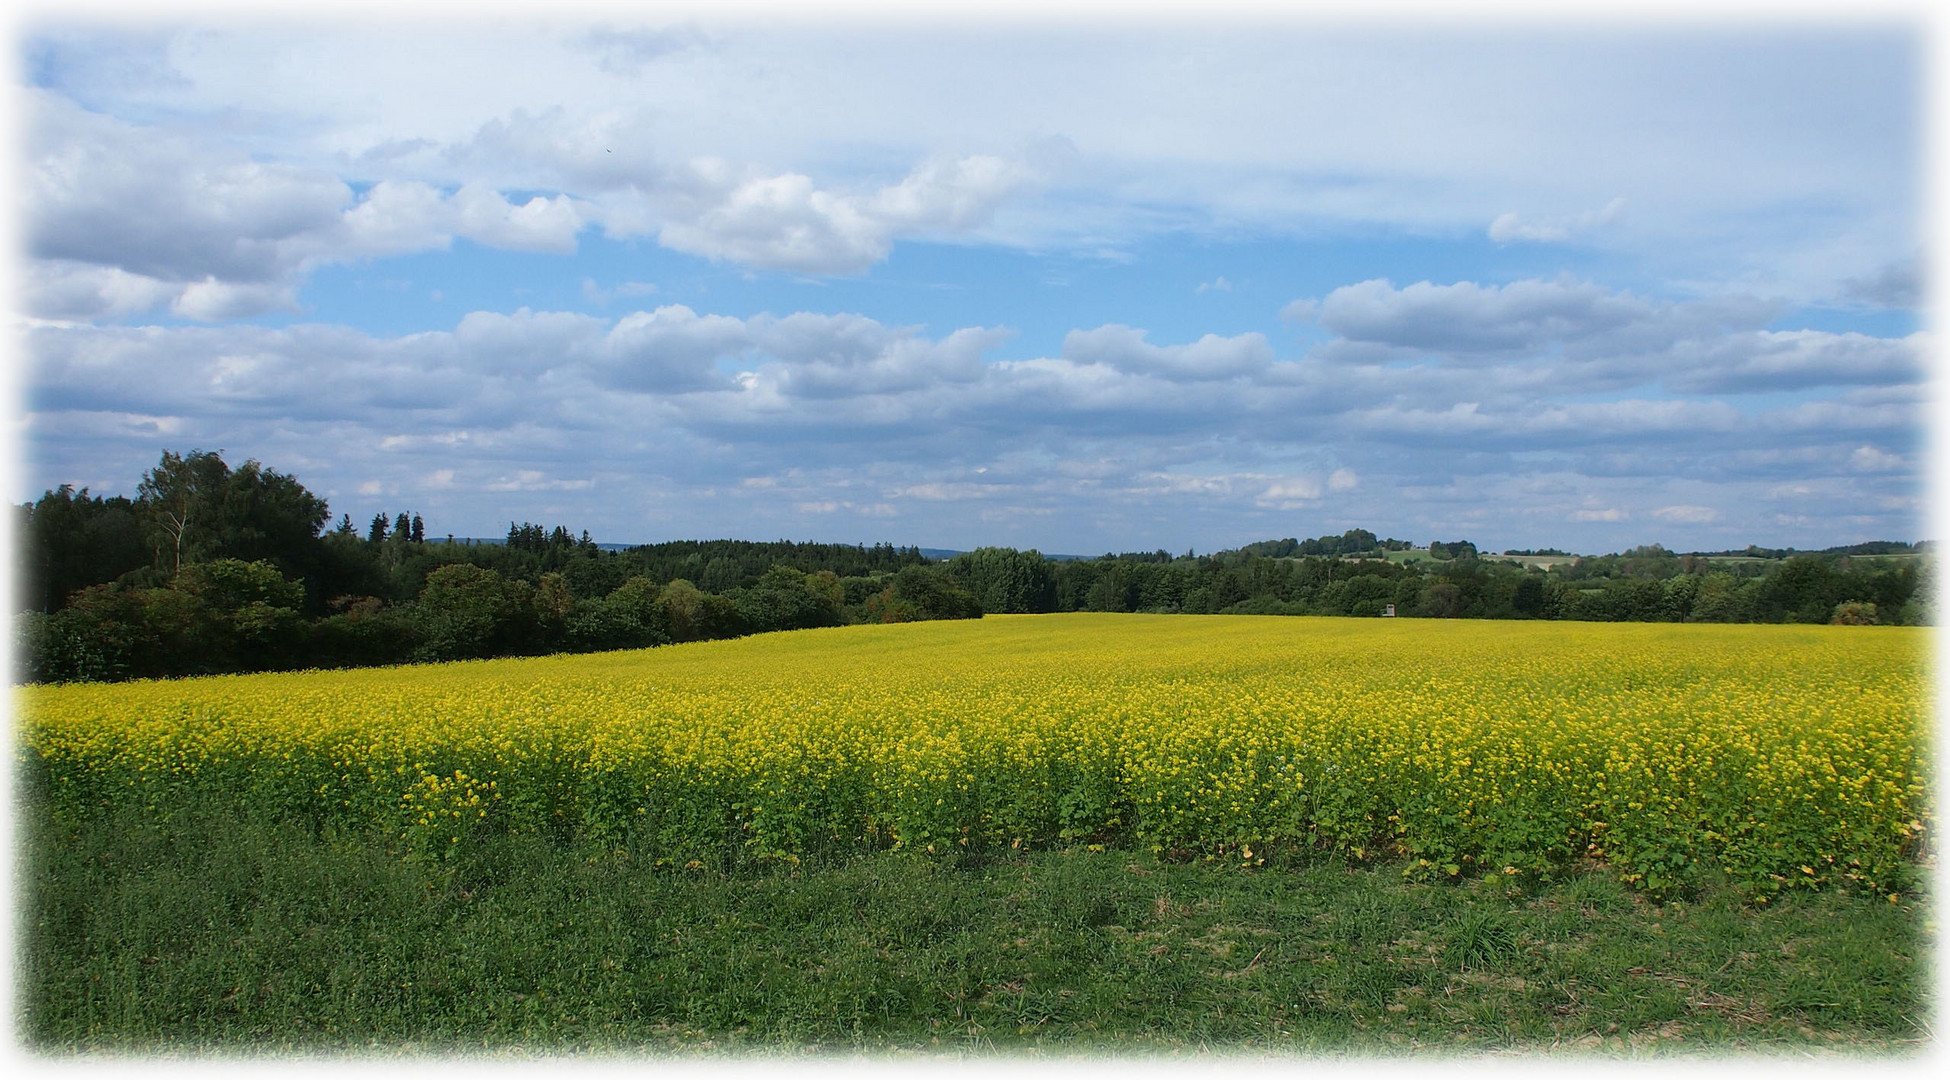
[62, 289]
[1429, 130]
[671, 348]
[1466, 318]
[598, 295]
[1118, 431]
[1510, 226]
[397, 217]
[1290, 493]
[108, 193]
[527, 341]
[540, 224]
[121, 218]
[211, 300]
[1868, 459]
[1210, 357]
[785, 222]
[1771, 360]
[1300, 311]
[1577, 334]
[1689, 515]
[536, 480]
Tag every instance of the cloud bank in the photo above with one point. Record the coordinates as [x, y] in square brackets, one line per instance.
[1426, 389]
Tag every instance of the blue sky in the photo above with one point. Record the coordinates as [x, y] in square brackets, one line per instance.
[820, 274]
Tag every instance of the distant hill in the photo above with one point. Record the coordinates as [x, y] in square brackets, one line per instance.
[1867, 548]
[1290, 548]
[944, 554]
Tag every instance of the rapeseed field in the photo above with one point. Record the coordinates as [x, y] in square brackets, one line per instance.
[1771, 757]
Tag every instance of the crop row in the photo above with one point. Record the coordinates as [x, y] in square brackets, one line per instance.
[1776, 756]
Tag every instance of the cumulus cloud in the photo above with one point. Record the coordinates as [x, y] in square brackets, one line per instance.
[103, 192]
[541, 224]
[211, 299]
[122, 218]
[1466, 318]
[786, 222]
[528, 342]
[680, 404]
[671, 348]
[1578, 333]
[1868, 459]
[1302, 310]
[1210, 357]
[62, 289]
[1290, 493]
[1794, 360]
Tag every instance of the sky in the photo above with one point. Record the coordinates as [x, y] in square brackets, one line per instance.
[1164, 280]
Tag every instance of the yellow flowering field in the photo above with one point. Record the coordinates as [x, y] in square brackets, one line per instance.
[1780, 755]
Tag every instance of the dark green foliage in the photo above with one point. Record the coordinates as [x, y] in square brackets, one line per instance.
[467, 611]
[198, 508]
[1351, 542]
[361, 633]
[1005, 581]
[721, 565]
[246, 613]
[786, 599]
[634, 616]
[1455, 549]
[70, 540]
[223, 615]
[920, 593]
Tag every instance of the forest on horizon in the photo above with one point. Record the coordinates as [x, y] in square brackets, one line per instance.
[211, 569]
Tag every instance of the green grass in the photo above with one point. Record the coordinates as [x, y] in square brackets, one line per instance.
[215, 934]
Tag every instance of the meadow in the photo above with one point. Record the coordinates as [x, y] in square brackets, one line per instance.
[1738, 766]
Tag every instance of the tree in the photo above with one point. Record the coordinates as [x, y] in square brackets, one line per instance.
[1442, 600]
[247, 612]
[917, 593]
[785, 599]
[1854, 613]
[199, 508]
[471, 611]
[693, 615]
[179, 496]
[71, 540]
[1529, 598]
[1007, 581]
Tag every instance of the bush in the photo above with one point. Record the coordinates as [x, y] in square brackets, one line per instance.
[1854, 613]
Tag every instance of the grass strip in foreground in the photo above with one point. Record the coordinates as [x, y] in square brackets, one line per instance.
[218, 934]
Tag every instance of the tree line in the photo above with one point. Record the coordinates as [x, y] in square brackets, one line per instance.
[212, 569]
